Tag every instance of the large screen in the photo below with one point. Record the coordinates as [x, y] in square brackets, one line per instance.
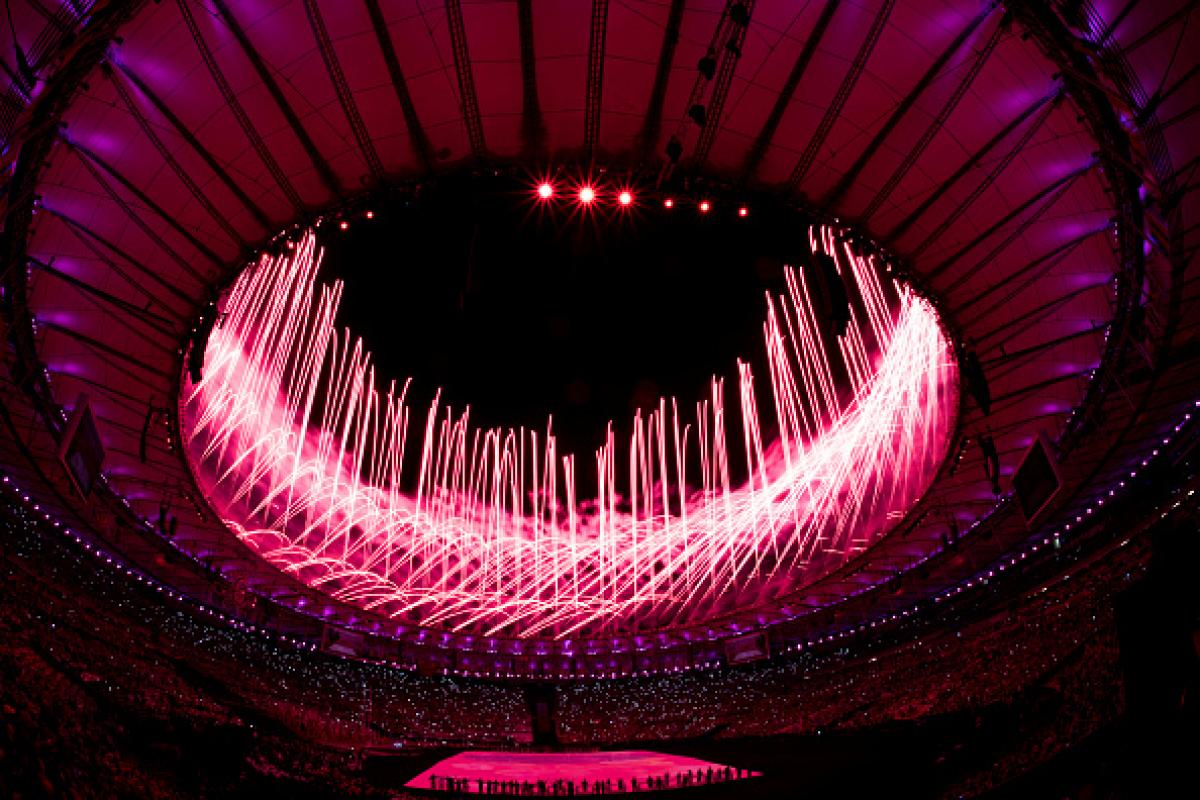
[1036, 480]
[81, 451]
[743, 649]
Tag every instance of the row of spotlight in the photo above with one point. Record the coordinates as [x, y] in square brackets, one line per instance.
[588, 195]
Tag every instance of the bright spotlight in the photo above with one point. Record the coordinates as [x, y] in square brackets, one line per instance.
[669, 203]
[705, 206]
[625, 198]
[586, 195]
[343, 225]
[370, 215]
[743, 212]
[545, 191]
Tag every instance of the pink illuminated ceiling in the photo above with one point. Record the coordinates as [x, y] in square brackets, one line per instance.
[939, 127]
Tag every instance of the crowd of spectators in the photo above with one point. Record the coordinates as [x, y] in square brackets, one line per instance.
[55, 740]
[91, 661]
[110, 689]
[1063, 710]
[970, 664]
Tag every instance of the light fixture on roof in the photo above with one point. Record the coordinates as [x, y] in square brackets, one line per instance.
[976, 380]
[674, 150]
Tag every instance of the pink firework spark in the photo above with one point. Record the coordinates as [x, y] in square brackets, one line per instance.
[304, 456]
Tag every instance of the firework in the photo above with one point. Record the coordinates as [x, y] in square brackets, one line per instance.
[422, 516]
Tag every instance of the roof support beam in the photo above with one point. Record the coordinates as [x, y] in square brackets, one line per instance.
[60, 20]
[1165, 93]
[133, 216]
[976, 157]
[344, 95]
[417, 137]
[902, 108]
[979, 187]
[86, 51]
[652, 119]
[285, 108]
[172, 162]
[1005, 363]
[716, 101]
[1038, 266]
[594, 91]
[1111, 28]
[207, 157]
[1006, 242]
[103, 347]
[1183, 11]
[239, 113]
[1056, 187]
[759, 149]
[1003, 402]
[156, 322]
[466, 80]
[998, 432]
[932, 130]
[1029, 317]
[533, 126]
[149, 203]
[133, 403]
[834, 111]
[91, 239]
[1180, 117]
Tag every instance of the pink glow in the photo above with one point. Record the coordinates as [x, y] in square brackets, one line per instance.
[625, 198]
[623, 765]
[303, 456]
[705, 206]
[586, 195]
[545, 191]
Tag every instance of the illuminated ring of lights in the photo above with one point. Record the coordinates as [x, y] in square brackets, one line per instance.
[303, 458]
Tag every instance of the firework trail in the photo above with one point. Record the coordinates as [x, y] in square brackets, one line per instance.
[498, 532]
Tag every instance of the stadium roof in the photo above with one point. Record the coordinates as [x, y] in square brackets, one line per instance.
[1032, 163]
